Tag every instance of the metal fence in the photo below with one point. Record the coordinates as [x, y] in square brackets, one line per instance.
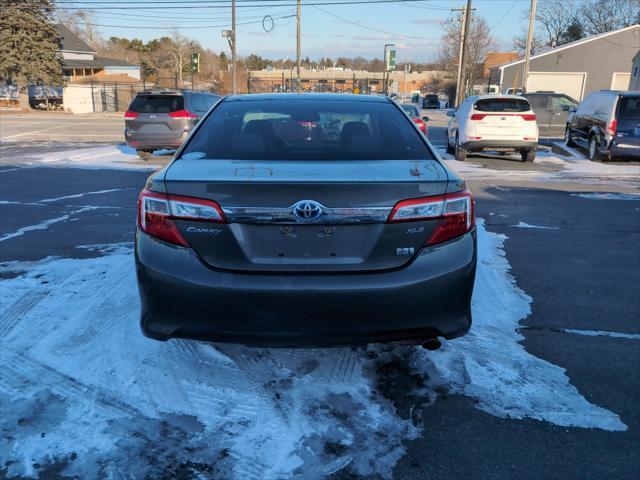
[338, 85]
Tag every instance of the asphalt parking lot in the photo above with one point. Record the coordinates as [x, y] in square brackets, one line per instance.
[553, 394]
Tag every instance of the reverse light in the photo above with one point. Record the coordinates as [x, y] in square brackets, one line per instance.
[612, 128]
[182, 114]
[130, 114]
[454, 212]
[157, 212]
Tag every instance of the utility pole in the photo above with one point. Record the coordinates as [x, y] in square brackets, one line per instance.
[463, 26]
[466, 27]
[527, 53]
[298, 44]
[233, 48]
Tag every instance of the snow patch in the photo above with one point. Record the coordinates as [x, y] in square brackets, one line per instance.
[112, 157]
[491, 365]
[608, 196]
[602, 333]
[83, 389]
[526, 225]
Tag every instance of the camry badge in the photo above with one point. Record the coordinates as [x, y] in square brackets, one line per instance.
[307, 210]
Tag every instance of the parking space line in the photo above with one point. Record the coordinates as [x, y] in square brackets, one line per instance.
[33, 132]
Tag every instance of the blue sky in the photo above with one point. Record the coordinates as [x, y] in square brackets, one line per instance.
[414, 27]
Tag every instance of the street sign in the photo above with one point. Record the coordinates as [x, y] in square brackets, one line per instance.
[391, 59]
[195, 62]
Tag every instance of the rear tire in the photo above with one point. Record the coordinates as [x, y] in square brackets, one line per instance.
[450, 149]
[460, 152]
[594, 149]
[144, 154]
[528, 155]
[567, 138]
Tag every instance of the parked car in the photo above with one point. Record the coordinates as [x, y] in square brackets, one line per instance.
[310, 219]
[607, 123]
[493, 122]
[552, 111]
[431, 100]
[413, 112]
[159, 119]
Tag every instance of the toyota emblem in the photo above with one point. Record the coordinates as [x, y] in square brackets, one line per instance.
[307, 210]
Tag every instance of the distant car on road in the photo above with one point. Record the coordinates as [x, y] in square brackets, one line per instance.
[431, 100]
[493, 122]
[414, 113]
[159, 119]
[607, 123]
[306, 219]
[552, 111]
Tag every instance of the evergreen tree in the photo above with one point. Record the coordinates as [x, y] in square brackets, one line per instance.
[29, 44]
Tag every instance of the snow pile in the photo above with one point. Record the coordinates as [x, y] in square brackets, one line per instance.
[608, 196]
[572, 169]
[113, 157]
[83, 392]
[85, 389]
[491, 365]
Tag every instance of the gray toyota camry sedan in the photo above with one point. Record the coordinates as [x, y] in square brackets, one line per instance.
[306, 220]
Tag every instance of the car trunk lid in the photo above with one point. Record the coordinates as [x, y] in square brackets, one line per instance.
[265, 234]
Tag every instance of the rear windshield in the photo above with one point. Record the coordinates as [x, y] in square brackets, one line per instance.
[309, 129]
[412, 110]
[502, 105]
[157, 103]
[629, 108]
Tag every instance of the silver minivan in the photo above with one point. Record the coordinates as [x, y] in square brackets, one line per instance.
[159, 119]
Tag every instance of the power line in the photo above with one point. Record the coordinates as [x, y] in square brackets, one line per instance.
[369, 28]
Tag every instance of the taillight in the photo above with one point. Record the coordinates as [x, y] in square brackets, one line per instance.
[130, 114]
[454, 212]
[612, 128]
[157, 212]
[182, 114]
[477, 116]
[529, 117]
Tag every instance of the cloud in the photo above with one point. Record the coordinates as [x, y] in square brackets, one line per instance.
[428, 21]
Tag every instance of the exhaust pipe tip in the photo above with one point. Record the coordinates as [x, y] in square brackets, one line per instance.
[431, 344]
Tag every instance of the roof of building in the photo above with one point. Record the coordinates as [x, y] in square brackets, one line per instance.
[575, 43]
[97, 62]
[72, 42]
[107, 77]
[498, 58]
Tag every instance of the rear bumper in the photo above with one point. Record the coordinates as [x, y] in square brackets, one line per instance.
[181, 297]
[629, 150]
[488, 144]
[142, 142]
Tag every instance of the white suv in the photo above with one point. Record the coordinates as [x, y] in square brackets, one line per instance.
[493, 122]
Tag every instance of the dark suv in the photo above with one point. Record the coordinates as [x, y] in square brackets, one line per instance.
[164, 118]
[608, 124]
[431, 100]
[552, 111]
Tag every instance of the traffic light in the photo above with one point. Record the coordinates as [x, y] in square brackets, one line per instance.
[195, 62]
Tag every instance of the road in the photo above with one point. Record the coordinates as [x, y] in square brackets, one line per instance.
[513, 413]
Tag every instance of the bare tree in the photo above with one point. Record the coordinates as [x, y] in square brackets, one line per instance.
[80, 22]
[480, 44]
[177, 56]
[519, 43]
[600, 16]
[555, 17]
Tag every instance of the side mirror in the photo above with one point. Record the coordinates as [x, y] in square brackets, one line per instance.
[425, 119]
[451, 113]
